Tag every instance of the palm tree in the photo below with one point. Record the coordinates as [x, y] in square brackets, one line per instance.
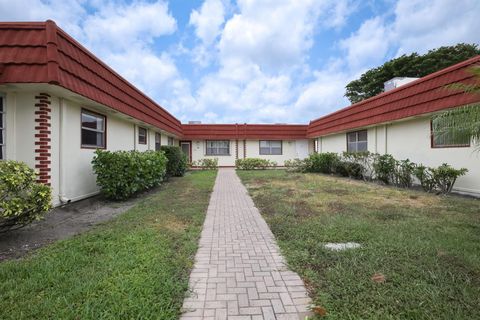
[462, 123]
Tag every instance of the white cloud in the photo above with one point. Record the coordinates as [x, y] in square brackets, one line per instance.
[67, 13]
[271, 34]
[208, 20]
[368, 45]
[422, 25]
[261, 48]
[325, 93]
[118, 27]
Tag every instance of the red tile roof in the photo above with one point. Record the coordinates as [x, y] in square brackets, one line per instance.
[244, 131]
[422, 96]
[40, 52]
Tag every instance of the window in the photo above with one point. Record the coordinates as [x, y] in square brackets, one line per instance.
[357, 141]
[142, 135]
[170, 141]
[443, 138]
[271, 147]
[93, 130]
[3, 121]
[158, 141]
[218, 148]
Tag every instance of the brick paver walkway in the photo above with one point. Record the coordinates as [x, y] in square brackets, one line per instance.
[239, 272]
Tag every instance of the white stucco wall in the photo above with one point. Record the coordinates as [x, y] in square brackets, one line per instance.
[199, 152]
[290, 149]
[411, 139]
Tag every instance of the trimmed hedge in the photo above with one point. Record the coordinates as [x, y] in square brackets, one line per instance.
[206, 164]
[177, 161]
[22, 199]
[121, 174]
[254, 163]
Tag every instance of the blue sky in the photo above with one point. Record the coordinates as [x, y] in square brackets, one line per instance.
[254, 61]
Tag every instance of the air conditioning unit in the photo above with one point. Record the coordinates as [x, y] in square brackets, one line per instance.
[396, 82]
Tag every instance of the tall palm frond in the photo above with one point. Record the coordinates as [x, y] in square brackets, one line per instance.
[462, 123]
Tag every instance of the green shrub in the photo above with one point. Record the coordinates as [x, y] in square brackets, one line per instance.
[445, 177]
[295, 165]
[403, 173]
[206, 164]
[440, 179]
[425, 176]
[254, 163]
[121, 174]
[350, 169]
[359, 164]
[22, 199]
[177, 161]
[384, 168]
[322, 162]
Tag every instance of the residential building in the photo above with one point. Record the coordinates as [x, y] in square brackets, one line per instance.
[58, 103]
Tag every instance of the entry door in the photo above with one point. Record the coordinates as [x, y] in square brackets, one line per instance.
[186, 148]
[301, 147]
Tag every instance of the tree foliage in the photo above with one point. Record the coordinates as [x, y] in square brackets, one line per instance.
[413, 65]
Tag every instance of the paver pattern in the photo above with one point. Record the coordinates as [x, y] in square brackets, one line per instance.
[239, 272]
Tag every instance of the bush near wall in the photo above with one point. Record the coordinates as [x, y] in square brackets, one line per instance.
[322, 162]
[254, 164]
[382, 168]
[177, 161]
[22, 199]
[121, 174]
[206, 164]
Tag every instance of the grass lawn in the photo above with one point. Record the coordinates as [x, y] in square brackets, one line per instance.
[427, 246]
[133, 267]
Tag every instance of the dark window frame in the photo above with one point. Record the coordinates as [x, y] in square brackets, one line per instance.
[444, 146]
[158, 143]
[356, 140]
[140, 135]
[270, 148]
[214, 154]
[95, 114]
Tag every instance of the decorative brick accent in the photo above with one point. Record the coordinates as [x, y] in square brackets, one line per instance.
[42, 137]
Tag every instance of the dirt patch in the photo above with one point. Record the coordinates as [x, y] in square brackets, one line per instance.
[336, 191]
[61, 223]
[303, 209]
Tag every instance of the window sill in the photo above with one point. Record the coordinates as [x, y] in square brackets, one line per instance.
[92, 147]
[217, 155]
[451, 146]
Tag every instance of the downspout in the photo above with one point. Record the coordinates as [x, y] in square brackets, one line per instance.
[134, 136]
[61, 151]
[386, 137]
